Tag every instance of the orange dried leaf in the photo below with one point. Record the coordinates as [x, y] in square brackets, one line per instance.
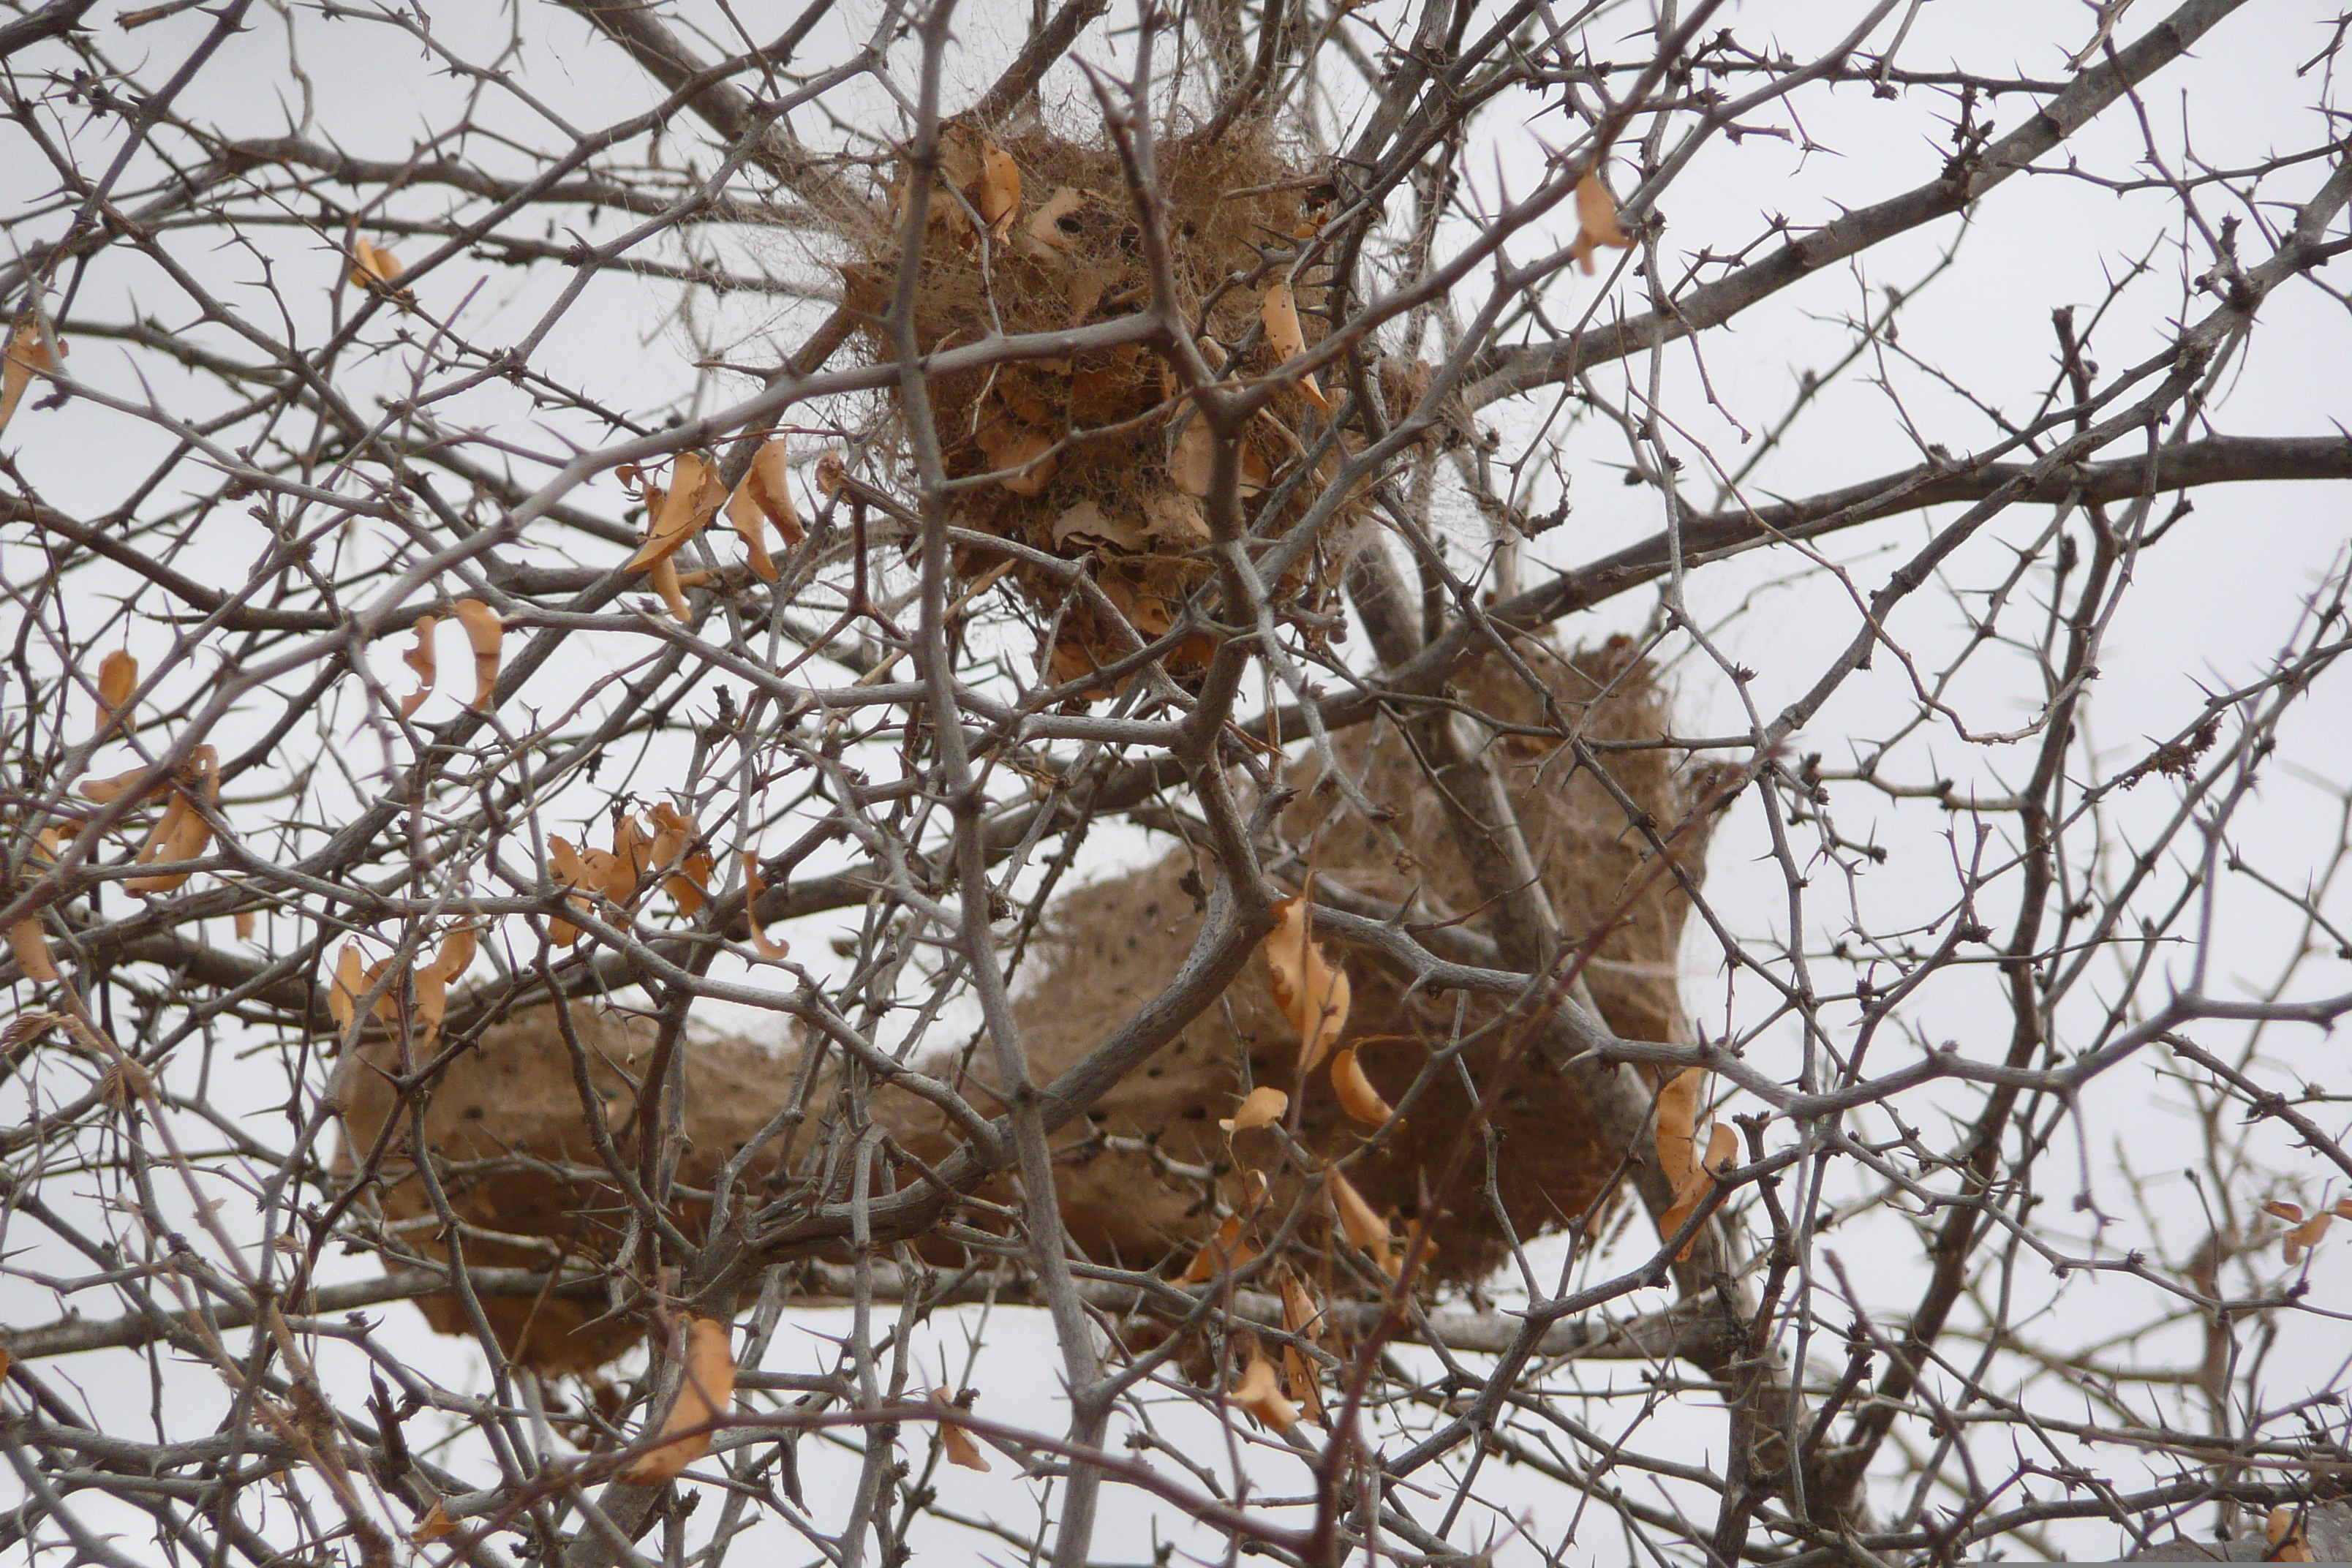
[371, 264]
[118, 677]
[2278, 1208]
[1298, 1382]
[675, 836]
[832, 473]
[1022, 448]
[1596, 213]
[1046, 225]
[1722, 1143]
[420, 659]
[633, 857]
[436, 1524]
[765, 496]
[1262, 1106]
[343, 994]
[753, 886]
[673, 592]
[1000, 189]
[961, 1450]
[1358, 1097]
[1300, 1315]
[245, 925]
[704, 1395]
[691, 500]
[2305, 1236]
[1194, 462]
[104, 791]
[1279, 311]
[1222, 1253]
[1361, 1225]
[457, 955]
[1311, 991]
[30, 943]
[29, 351]
[1260, 1393]
[1678, 1125]
[2343, 1209]
[487, 633]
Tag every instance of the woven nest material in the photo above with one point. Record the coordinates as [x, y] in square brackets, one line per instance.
[1150, 1174]
[516, 1158]
[1096, 456]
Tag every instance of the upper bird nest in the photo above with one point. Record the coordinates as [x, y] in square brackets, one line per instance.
[1098, 455]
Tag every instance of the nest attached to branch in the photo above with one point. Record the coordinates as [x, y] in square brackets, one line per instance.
[1097, 455]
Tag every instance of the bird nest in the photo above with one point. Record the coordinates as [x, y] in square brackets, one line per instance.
[1098, 455]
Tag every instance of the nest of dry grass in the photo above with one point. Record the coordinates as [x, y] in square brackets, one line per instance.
[1095, 455]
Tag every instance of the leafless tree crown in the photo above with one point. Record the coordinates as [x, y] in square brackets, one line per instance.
[1408, 781]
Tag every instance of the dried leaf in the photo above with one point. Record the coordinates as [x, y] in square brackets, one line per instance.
[765, 496]
[676, 836]
[1676, 1138]
[2278, 1208]
[2305, 1236]
[486, 632]
[1284, 335]
[961, 1450]
[246, 924]
[753, 886]
[2285, 1536]
[672, 591]
[104, 791]
[704, 1395]
[434, 1525]
[1298, 1382]
[1300, 1315]
[1358, 1097]
[1264, 1107]
[1260, 1393]
[1046, 225]
[1089, 524]
[1192, 462]
[29, 351]
[1227, 1250]
[573, 872]
[373, 265]
[1596, 211]
[1311, 991]
[633, 857]
[832, 473]
[1000, 189]
[1361, 1225]
[2343, 1209]
[1174, 520]
[1009, 444]
[118, 677]
[692, 499]
[182, 834]
[1721, 1145]
[420, 659]
[350, 982]
[30, 943]
[457, 955]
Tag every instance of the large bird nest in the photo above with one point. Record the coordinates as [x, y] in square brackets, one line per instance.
[1097, 455]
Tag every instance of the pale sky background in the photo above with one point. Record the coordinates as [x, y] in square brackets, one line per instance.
[2211, 606]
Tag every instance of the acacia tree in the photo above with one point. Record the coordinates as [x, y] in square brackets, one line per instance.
[1149, 426]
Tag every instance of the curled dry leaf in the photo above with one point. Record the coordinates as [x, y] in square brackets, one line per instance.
[633, 857]
[182, 834]
[373, 265]
[1311, 991]
[1262, 1106]
[29, 351]
[1000, 189]
[2285, 1535]
[1227, 1250]
[1023, 448]
[436, 1524]
[676, 837]
[1361, 1225]
[765, 496]
[420, 659]
[704, 1395]
[118, 677]
[672, 590]
[753, 886]
[1284, 335]
[1300, 1315]
[677, 514]
[1299, 1382]
[2279, 1208]
[104, 791]
[572, 871]
[1260, 1393]
[832, 473]
[1596, 211]
[1192, 461]
[350, 982]
[486, 633]
[2305, 1236]
[961, 1450]
[245, 925]
[1721, 1145]
[30, 943]
[1678, 1125]
[1045, 223]
[1358, 1097]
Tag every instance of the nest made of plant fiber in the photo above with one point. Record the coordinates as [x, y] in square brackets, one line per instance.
[1151, 1175]
[505, 1125]
[1097, 455]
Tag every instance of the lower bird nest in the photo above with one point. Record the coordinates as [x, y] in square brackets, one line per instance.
[1098, 455]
